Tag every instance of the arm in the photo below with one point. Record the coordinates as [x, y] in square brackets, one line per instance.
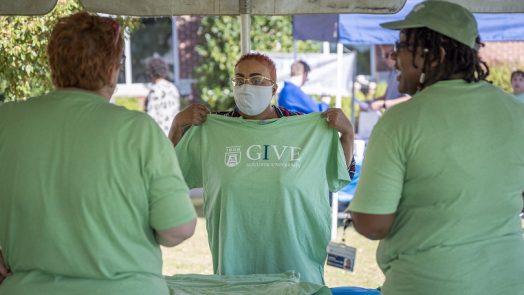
[4, 271]
[372, 226]
[338, 120]
[176, 235]
[385, 104]
[194, 114]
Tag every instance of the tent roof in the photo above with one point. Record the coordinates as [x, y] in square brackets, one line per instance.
[232, 7]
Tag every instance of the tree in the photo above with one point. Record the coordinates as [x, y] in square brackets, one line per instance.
[24, 71]
[220, 47]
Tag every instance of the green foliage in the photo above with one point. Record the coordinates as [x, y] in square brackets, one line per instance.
[220, 48]
[24, 70]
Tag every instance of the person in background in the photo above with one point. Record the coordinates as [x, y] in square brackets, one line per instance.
[392, 96]
[163, 101]
[265, 173]
[517, 83]
[441, 181]
[89, 190]
[293, 98]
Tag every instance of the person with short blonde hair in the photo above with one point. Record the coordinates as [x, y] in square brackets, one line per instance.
[89, 190]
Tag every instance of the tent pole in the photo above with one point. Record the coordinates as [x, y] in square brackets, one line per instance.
[353, 93]
[373, 62]
[127, 51]
[245, 26]
[338, 104]
[174, 48]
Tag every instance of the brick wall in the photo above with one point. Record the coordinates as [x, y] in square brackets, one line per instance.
[187, 28]
[511, 53]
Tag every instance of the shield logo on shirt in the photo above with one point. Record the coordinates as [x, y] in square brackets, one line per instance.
[232, 157]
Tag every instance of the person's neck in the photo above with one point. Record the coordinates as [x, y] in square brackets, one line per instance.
[268, 113]
[106, 91]
[156, 80]
[297, 80]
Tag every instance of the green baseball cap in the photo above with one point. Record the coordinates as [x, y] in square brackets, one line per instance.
[446, 18]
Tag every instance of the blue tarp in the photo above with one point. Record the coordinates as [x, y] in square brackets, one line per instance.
[365, 28]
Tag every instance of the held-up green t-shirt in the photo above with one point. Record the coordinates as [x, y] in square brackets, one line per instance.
[450, 164]
[83, 186]
[266, 187]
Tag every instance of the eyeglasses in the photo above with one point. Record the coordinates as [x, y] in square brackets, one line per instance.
[257, 80]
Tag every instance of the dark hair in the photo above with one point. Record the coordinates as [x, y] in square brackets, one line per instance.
[157, 67]
[459, 59]
[299, 67]
[517, 73]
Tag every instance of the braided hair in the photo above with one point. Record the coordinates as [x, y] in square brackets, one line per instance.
[459, 59]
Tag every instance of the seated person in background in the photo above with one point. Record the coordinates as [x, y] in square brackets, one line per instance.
[88, 190]
[392, 95]
[293, 98]
[264, 215]
[517, 83]
[443, 174]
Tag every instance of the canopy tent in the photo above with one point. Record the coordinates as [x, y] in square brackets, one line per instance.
[365, 28]
[243, 8]
[235, 7]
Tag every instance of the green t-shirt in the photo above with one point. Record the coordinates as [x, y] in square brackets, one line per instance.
[450, 164]
[256, 284]
[266, 187]
[83, 183]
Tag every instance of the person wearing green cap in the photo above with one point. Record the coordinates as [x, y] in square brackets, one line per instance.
[441, 182]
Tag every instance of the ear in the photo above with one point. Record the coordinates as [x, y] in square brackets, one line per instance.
[436, 62]
[110, 73]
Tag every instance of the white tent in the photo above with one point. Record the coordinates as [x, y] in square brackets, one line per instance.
[235, 7]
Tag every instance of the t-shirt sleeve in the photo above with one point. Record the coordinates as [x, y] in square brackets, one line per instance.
[169, 201]
[382, 176]
[337, 173]
[188, 151]
[168, 194]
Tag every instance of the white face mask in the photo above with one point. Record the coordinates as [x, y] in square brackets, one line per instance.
[252, 100]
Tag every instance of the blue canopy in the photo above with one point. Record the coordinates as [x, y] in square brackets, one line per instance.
[365, 28]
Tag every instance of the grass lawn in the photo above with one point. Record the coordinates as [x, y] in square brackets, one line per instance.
[194, 256]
